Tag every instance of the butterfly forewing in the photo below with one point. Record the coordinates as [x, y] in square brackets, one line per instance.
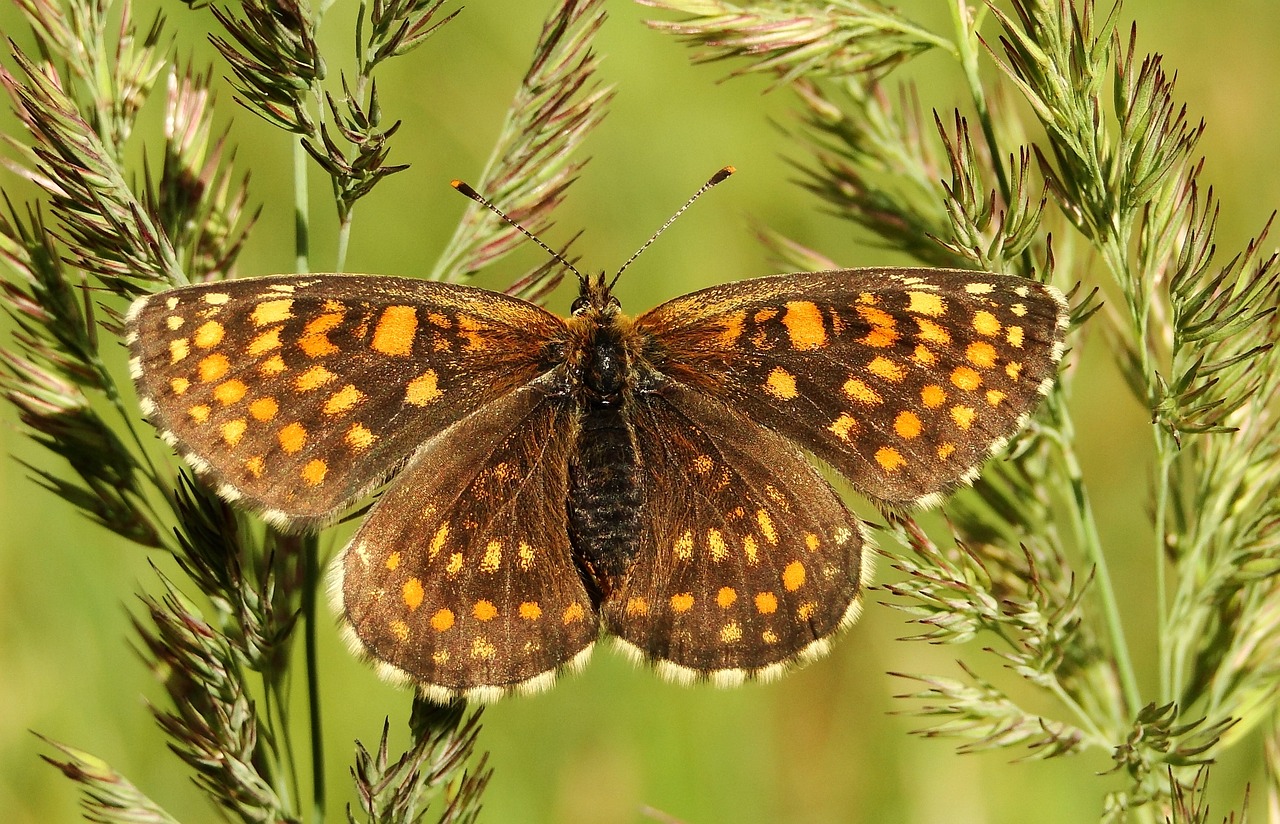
[747, 558]
[300, 393]
[904, 380]
[461, 577]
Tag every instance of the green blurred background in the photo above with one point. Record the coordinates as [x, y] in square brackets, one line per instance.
[822, 745]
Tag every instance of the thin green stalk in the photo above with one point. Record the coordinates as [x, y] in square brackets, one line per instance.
[310, 546]
[1165, 458]
[966, 38]
[1091, 542]
[301, 214]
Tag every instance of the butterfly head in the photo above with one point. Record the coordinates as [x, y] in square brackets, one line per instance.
[595, 298]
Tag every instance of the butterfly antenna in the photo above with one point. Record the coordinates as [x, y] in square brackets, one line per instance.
[715, 178]
[466, 189]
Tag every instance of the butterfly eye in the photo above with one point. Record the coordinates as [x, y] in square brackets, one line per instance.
[579, 305]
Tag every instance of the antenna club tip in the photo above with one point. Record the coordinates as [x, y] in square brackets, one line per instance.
[465, 188]
[722, 174]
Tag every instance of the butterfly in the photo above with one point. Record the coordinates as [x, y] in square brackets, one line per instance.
[555, 478]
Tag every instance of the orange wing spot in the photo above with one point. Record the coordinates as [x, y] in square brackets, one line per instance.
[981, 354]
[344, 400]
[995, 397]
[315, 337]
[273, 365]
[703, 464]
[229, 392]
[637, 606]
[255, 466]
[481, 648]
[769, 637]
[179, 349]
[1019, 309]
[842, 426]
[867, 299]
[887, 369]
[684, 546]
[890, 459]
[766, 603]
[907, 425]
[731, 633]
[806, 610]
[725, 597]
[965, 378]
[946, 450]
[437, 541]
[715, 542]
[933, 396]
[682, 602]
[209, 334]
[731, 328]
[393, 336]
[525, 553]
[438, 320]
[1014, 334]
[233, 431]
[781, 384]
[264, 409]
[1013, 369]
[455, 564]
[573, 612]
[292, 438]
[766, 527]
[985, 323]
[412, 593]
[442, 620]
[313, 378]
[484, 611]
[393, 561]
[926, 303]
[859, 391]
[963, 416]
[199, 413]
[749, 549]
[793, 576]
[764, 315]
[272, 311]
[924, 356]
[492, 558]
[804, 325]
[179, 385]
[529, 610]
[265, 342]
[931, 332]
[423, 389]
[811, 541]
[876, 317]
[213, 368]
[883, 327]
[315, 470]
[400, 630]
[359, 436]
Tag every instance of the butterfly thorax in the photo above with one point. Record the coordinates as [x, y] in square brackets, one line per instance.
[603, 375]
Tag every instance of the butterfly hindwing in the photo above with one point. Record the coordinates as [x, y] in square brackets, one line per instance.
[905, 381]
[300, 393]
[461, 578]
[747, 559]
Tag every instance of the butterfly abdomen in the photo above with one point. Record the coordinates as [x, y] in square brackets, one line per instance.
[604, 498]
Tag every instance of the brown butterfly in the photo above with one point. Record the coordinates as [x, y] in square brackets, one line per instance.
[556, 477]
